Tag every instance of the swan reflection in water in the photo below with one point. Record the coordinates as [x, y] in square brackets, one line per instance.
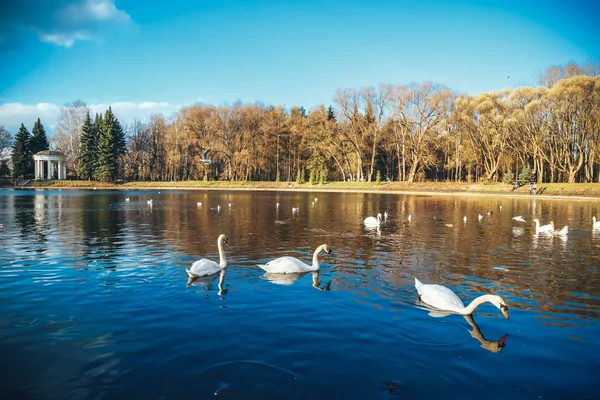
[288, 279]
[208, 280]
[494, 346]
[491, 345]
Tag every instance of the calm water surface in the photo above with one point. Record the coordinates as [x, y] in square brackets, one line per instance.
[94, 301]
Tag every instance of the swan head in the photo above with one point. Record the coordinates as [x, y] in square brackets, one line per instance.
[326, 249]
[223, 239]
[500, 303]
[379, 216]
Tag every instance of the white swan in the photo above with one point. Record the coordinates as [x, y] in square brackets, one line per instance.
[442, 298]
[548, 228]
[595, 224]
[519, 218]
[287, 264]
[205, 267]
[563, 232]
[199, 204]
[373, 221]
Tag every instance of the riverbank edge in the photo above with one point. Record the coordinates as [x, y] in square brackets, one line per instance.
[583, 191]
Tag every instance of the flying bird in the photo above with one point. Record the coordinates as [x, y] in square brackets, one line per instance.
[205, 159]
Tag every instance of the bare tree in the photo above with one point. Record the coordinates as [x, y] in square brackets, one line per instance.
[68, 132]
[5, 142]
[420, 111]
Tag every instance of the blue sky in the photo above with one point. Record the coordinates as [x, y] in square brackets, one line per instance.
[151, 56]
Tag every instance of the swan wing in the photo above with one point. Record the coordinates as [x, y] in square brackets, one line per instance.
[371, 221]
[440, 297]
[204, 267]
[286, 265]
[547, 228]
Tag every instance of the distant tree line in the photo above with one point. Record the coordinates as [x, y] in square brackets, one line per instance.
[549, 133]
[101, 144]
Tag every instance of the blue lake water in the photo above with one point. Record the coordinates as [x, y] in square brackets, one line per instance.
[95, 301]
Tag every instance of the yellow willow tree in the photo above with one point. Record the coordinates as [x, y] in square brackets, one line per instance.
[198, 120]
[252, 125]
[421, 111]
[274, 127]
[295, 144]
[573, 123]
[326, 153]
[526, 122]
[158, 131]
[377, 102]
[353, 125]
[180, 151]
[481, 118]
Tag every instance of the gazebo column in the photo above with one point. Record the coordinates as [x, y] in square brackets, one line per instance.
[49, 164]
[35, 168]
[64, 165]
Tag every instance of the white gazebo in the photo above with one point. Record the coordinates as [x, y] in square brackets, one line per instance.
[56, 165]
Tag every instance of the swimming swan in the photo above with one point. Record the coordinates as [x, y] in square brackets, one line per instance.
[595, 224]
[205, 267]
[442, 298]
[287, 264]
[548, 228]
[373, 221]
[563, 232]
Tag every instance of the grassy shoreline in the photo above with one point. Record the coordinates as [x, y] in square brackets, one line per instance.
[554, 190]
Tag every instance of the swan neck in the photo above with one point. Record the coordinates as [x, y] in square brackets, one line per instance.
[315, 261]
[222, 260]
[476, 303]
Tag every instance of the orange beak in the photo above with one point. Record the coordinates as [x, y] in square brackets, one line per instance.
[504, 311]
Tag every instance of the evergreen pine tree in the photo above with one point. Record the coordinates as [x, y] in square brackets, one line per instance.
[22, 158]
[88, 148]
[39, 140]
[4, 169]
[111, 145]
[330, 114]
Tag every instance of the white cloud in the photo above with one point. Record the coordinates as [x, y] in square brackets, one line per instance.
[13, 114]
[60, 22]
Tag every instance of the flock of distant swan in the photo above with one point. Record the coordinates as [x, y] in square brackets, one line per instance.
[437, 297]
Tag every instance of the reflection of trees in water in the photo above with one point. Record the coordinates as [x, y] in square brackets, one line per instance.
[31, 214]
[462, 255]
[101, 226]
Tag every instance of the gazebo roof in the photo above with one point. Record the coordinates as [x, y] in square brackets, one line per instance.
[49, 153]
